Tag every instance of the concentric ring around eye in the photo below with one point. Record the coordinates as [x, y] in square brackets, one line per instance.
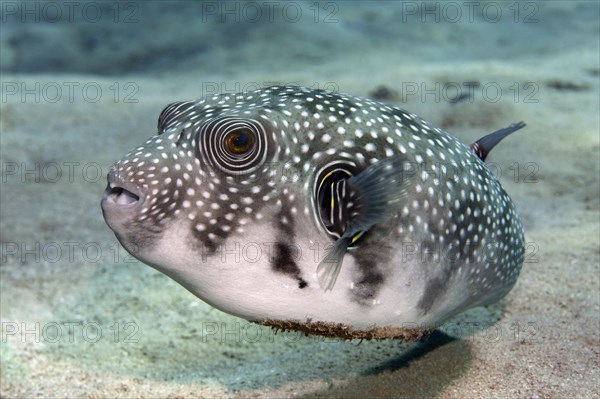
[233, 145]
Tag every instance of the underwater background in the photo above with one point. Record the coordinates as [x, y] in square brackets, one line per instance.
[84, 82]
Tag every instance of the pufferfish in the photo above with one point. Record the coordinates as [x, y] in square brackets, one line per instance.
[320, 212]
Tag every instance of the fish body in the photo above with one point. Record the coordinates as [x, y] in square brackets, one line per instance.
[321, 212]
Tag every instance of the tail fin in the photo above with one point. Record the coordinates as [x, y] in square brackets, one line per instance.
[484, 145]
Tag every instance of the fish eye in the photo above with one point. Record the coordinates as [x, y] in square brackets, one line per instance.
[239, 141]
[233, 145]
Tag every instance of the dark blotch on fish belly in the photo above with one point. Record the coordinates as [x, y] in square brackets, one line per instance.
[434, 289]
[283, 260]
[371, 279]
[436, 284]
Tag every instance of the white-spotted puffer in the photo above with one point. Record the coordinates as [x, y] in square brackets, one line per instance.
[320, 212]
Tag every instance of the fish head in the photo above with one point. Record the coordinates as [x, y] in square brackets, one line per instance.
[216, 202]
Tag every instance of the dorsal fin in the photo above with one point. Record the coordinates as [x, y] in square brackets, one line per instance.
[484, 145]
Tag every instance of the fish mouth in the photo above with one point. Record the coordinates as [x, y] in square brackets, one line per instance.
[120, 194]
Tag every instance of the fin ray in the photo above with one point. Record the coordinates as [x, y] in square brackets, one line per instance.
[380, 187]
[329, 268]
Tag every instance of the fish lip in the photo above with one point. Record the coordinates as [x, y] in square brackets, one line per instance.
[120, 194]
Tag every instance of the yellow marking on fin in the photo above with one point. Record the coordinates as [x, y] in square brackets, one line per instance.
[357, 236]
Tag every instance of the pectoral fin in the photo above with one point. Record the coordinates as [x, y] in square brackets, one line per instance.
[377, 193]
